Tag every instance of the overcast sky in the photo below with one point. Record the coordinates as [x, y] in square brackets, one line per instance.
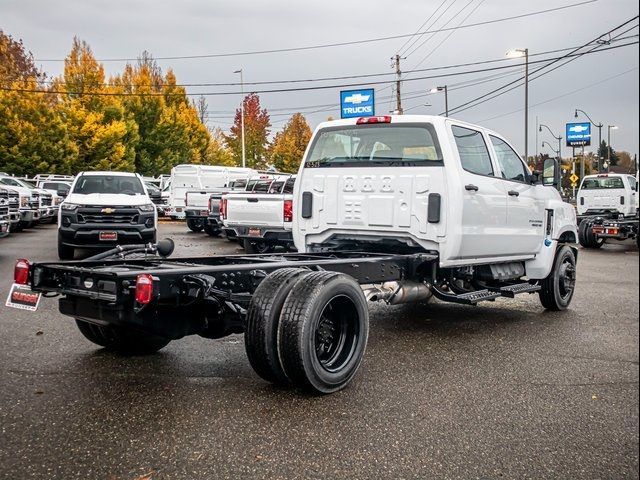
[605, 84]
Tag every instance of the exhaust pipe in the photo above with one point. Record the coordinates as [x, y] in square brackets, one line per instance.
[394, 293]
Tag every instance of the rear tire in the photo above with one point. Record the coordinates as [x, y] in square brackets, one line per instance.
[195, 224]
[323, 331]
[586, 236]
[252, 247]
[65, 252]
[559, 286]
[211, 230]
[121, 339]
[263, 319]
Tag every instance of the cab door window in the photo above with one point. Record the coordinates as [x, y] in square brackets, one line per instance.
[510, 163]
[473, 151]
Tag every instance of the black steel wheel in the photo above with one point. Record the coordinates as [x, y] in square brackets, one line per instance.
[323, 331]
[121, 339]
[211, 230]
[263, 319]
[255, 246]
[559, 286]
[195, 224]
[586, 237]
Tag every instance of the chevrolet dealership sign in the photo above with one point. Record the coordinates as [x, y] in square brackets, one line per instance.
[357, 103]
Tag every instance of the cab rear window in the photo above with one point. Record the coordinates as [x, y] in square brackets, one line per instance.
[375, 145]
[602, 182]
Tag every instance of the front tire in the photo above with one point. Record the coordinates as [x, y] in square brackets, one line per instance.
[323, 331]
[559, 286]
[195, 224]
[121, 339]
[263, 319]
[65, 252]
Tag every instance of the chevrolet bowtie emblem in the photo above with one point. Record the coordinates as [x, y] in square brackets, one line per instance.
[107, 210]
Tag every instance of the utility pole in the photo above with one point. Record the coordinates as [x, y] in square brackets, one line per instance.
[398, 82]
[244, 156]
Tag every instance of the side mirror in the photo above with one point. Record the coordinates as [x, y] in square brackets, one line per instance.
[551, 173]
[536, 177]
[154, 194]
[63, 192]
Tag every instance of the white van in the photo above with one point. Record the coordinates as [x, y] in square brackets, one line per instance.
[199, 177]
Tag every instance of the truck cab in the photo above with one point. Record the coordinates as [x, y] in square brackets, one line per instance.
[427, 183]
[105, 209]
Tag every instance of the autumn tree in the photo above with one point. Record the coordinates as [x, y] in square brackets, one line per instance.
[104, 132]
[217, 151]
[33, 136]
[256, 128]
[168, 125]
[289, 145]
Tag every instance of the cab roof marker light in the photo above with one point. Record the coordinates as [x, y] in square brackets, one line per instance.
[367, 120]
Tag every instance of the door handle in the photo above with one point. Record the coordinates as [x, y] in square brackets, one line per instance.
[252, 200]
[513, 193]
[471, 187]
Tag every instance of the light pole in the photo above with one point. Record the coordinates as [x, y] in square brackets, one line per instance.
[599, 126]
[524, 52]
[559, 138]
[446, 97]
[244, 160]
[609, 128]
[551, 148]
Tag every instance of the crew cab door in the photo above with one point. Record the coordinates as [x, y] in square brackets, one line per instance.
[525, 210]
[483, 229]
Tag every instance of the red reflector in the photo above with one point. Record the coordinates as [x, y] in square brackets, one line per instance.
[21, 272]
[365, 120]
[223, 208]
[144, 288]
[288, 211]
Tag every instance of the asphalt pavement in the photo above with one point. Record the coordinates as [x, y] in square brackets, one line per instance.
[502, 390]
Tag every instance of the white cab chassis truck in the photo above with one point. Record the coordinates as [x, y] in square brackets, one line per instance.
[390, 209]
[607, 205]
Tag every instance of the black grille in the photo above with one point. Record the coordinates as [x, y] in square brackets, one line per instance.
[14, 201]
[46, 200]
[35, 200]
[107, 215]
[4, 210]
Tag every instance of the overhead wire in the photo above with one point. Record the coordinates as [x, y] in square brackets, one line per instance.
[338, 44]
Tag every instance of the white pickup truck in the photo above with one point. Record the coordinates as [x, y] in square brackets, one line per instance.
[392, 209]
[261, 218]
[607, 205]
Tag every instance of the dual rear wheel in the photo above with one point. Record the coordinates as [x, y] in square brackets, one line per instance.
[307, 329]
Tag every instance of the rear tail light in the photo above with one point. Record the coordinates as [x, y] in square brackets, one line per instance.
[21, 272]
[288, 210]
[144, 288]
[223, 209]
[366, 120]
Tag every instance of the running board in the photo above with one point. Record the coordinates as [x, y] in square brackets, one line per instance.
[512, 290]
[490, 294]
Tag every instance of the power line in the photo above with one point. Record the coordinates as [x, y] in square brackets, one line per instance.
[563, 95]
[572, 55]
[338, 44]
[447, 23]
[407, 53]
[449, 35]
[399, 51]
[321, 87]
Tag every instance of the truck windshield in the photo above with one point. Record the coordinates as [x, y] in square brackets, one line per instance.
[88, 184]
[375, 145]
[602, 182]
